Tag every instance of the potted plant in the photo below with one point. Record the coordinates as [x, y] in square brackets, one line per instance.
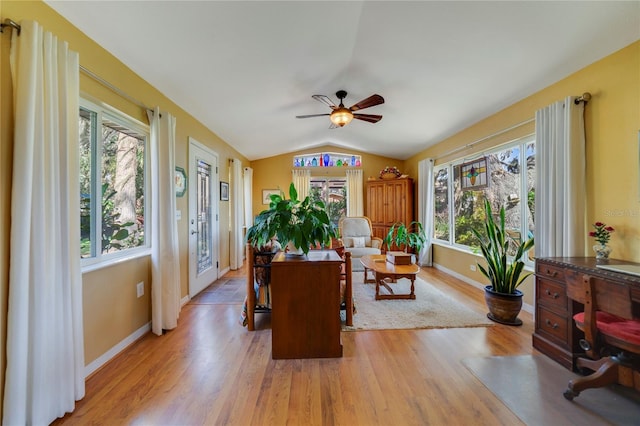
[297, 224]
[502, 296]
[406, 237]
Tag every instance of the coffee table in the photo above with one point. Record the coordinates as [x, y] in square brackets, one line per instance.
[383, 270]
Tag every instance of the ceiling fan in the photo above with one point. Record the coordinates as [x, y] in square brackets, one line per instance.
[342, 115]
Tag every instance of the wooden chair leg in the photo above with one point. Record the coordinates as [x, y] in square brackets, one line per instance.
[348, 291]
[251, 294]
[606, 373]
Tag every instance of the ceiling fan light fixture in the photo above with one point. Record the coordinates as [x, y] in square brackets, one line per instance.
[341, 116]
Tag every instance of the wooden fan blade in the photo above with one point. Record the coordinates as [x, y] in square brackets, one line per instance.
[372, 100]
[325, 100]
[371, 118]
[311, 115]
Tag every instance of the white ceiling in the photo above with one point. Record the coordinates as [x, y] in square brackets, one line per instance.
[246, 68]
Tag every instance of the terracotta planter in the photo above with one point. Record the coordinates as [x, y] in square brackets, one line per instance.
[503, 308]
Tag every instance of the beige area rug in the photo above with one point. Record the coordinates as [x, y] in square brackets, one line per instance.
[532, 385]
[430, 309]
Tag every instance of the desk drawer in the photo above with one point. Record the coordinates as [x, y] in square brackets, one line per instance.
[551, 293]
[552, 324]
[549, 271]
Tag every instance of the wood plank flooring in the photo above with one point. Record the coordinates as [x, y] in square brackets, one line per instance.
[212, 371]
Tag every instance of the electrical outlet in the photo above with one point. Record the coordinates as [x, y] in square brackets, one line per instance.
[140, 289]
[472, 267]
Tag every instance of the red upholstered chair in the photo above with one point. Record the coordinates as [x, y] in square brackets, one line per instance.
[611, 335]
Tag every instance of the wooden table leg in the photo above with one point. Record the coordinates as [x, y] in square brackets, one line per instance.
[368, 280]
[380, 280]
[412, 295]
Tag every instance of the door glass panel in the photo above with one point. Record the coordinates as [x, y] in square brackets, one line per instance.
[333, 192]
[204, 248]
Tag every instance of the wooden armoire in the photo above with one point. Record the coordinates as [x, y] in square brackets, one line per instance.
[389, 201]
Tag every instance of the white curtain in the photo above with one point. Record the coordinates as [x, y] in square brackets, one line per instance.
[45, 348]
[560, 180]
[355, 200]
[248, 193]
[165, 262]
[425, 207]
[302, 182]
[237, 215]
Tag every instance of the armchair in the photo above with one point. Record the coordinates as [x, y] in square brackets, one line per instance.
[357, 236]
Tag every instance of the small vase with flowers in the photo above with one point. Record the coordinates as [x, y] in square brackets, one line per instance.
[602, 234]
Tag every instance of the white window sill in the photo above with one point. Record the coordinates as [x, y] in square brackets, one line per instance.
[90, 267]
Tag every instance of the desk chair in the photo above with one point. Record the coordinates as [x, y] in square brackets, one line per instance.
[346, 286]
[611, 335]
[258, 298]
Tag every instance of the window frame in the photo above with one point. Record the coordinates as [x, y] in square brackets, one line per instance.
[98, 259]
[522, 143]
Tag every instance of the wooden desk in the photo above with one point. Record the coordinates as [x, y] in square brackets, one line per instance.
[305, 305]
[555, 333]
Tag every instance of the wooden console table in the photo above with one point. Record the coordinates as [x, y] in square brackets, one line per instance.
[305, 305]
[555, 333]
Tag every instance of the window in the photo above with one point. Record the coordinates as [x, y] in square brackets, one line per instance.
[510, 183]
[441, 204]
[113, 182]
[333, 192]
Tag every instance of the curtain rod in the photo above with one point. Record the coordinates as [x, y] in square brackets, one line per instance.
[586, 97]
[12, 24]
[113, 88]
[469, 145]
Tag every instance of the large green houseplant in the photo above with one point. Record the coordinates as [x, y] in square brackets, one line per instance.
[406, 237]
[503, 298]
[300, 223]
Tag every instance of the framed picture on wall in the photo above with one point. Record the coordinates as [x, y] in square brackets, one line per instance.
[180, 182]
[224, 191]
[266, 195]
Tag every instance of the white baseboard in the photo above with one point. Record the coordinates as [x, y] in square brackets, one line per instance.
[111, 353]
[525, 306]
[224, 271]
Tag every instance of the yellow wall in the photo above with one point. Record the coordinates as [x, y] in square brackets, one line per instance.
[612, 122]
[111, 309]
[275, 172]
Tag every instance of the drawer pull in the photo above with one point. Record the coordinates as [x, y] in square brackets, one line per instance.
[555, 294]
[554, 325]
[552, 273]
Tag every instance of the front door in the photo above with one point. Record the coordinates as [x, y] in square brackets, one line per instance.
[203, 217]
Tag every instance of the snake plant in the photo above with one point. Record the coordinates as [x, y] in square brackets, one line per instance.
[505, 276]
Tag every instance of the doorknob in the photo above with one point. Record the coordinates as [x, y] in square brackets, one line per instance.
[193, 232]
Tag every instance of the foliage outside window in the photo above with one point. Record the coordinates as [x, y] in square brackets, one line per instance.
[333, 193]
[113, 151]
[511, 183]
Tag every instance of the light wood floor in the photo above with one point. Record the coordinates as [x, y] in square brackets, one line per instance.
[212, 371]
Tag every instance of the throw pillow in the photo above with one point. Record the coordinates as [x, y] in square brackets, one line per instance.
[358, 242]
